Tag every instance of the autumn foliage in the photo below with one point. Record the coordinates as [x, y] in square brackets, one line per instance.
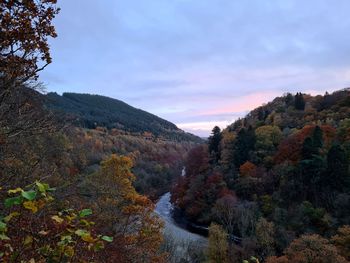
[25, 29]
[247, 169]
[279, 185]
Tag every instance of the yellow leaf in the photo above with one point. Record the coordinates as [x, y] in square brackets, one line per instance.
[69, 251]
[30, 205]
[88, 238]
[57, 219]
[10, 216]
[13, 191]
[28, 240]
[32, 260]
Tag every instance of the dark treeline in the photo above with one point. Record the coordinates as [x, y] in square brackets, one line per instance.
[91, 111]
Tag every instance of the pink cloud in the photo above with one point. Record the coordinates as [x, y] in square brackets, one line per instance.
[243, 104]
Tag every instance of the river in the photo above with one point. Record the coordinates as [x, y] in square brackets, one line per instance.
[164, 210]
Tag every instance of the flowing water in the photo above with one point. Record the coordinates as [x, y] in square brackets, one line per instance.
[164, 209]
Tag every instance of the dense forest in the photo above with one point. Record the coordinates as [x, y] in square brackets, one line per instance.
[80, 174]
[91, 111]
[275, 183]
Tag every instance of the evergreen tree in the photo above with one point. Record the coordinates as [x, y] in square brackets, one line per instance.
[214, 144]
[337, 168]
[308, 149]
[244, 144]
[317, 137]
[261, 114]
[312, 145]
[299, 102]
[289, 99]
[312, 166]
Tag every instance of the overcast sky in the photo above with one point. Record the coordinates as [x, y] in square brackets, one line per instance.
[200, 63]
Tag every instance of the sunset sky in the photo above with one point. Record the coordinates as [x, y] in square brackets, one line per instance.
[200, 63]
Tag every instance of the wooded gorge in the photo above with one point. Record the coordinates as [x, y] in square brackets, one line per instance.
[81, 174]
[278, 180]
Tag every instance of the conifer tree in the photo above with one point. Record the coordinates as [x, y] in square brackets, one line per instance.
[299, 102]
[337, 168]
[214, 143]
[244, 144]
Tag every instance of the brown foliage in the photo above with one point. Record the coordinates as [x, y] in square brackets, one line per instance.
[248, 169]
[342, 241]
[290, 148]
[310, 248]
[25, 29]
[126, 213]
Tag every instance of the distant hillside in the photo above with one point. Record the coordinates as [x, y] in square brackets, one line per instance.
[287, 113]
[90, 111]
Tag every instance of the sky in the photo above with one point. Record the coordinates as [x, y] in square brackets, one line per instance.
[200, 63]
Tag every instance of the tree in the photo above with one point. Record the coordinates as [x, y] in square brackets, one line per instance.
[337, 169]
[197, 161]
[310, 249]
[214, 143]
[289, 99]
[265, 232]
[33, 230]
[224, 210]
[129, 215]
[227, 149]
[317, 137]
[308, 149]
[312, 165]
[218, 245]
[268, 137]
[248, 169]
[244, 144]
[246, 216]
[24, 50]
[299, 102]
[342, 241]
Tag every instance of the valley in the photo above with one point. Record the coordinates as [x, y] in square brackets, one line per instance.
[255, 170]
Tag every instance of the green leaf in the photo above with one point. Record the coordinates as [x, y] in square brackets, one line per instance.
[42, 187]
[4, 237]
[51, 189]
[10, 216]
[81, 232]
[9, 202]
[107, 238]
[98, 246]
[29, 195]
[2, 226]
[85, 212]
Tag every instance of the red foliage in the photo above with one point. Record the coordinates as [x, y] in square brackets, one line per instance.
[248, 169]
[290, 148]
[197, 161]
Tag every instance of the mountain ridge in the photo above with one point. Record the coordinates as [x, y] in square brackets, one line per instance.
[90, 111]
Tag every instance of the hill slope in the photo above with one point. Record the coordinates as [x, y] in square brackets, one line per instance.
[90, 111]
[277, 178]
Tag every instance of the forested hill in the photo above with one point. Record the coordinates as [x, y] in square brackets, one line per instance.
[294, 112]
[279, 179]
[90, 111]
